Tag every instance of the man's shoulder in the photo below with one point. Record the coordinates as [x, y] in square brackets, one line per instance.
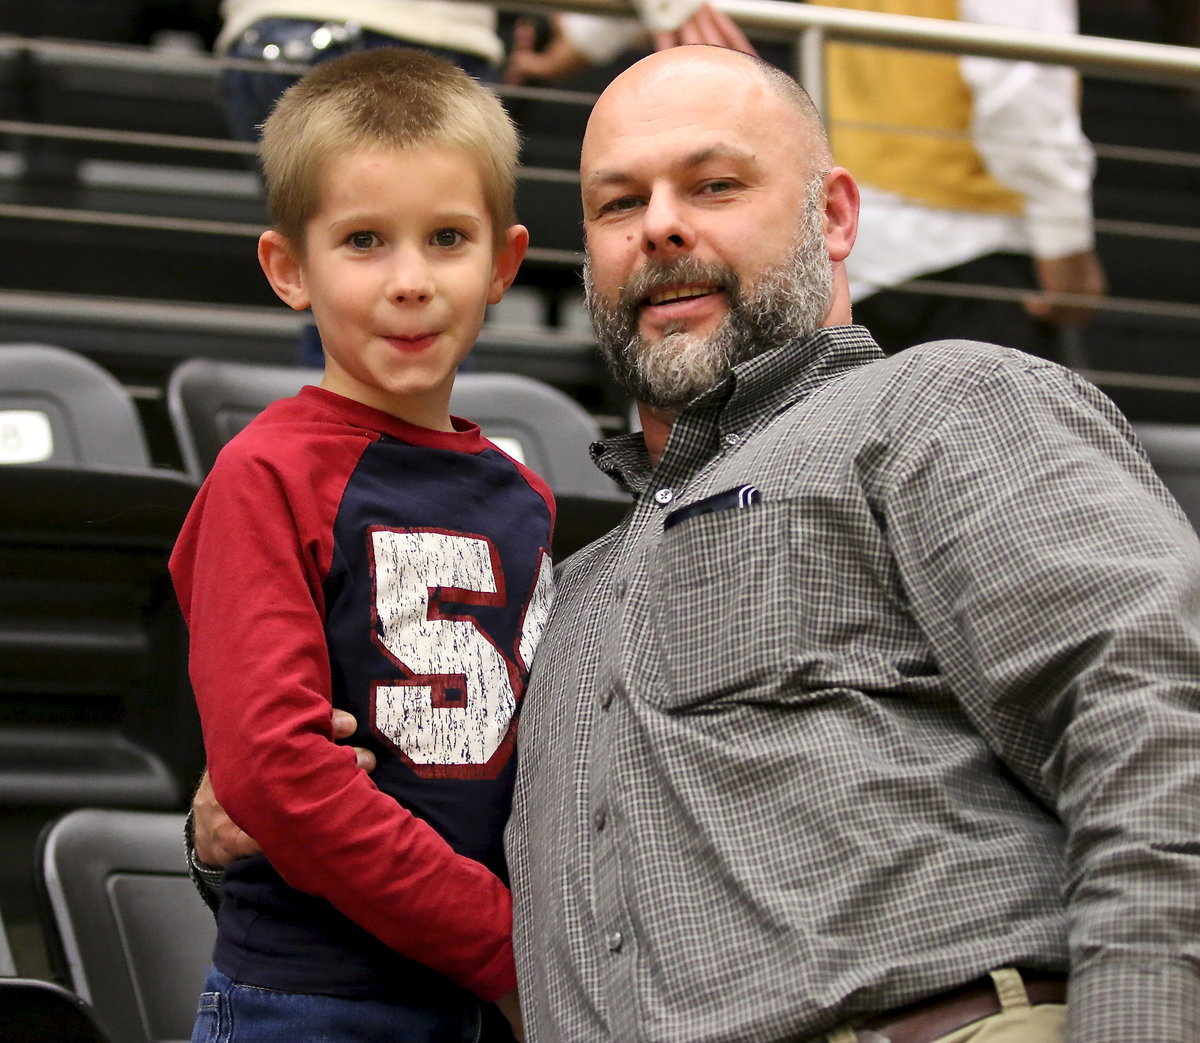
[937, 371]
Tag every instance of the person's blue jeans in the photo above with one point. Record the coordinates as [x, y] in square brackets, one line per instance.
[248, 95]
[232, 1013]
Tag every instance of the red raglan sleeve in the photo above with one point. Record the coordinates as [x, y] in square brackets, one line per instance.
[248, 570]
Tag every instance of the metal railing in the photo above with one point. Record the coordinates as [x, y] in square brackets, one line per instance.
[811, 26]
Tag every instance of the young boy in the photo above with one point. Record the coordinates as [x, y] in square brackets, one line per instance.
[356, 546]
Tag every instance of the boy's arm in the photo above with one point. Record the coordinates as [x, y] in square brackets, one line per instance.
[214, 839]
[249, 570]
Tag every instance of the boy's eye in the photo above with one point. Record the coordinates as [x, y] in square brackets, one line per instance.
[362, 240]
[447, 237]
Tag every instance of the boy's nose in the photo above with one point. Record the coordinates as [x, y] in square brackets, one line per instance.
[411, 280]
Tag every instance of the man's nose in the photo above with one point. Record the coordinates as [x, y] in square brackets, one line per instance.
[666, 229]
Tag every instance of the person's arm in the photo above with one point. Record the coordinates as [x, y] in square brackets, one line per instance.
[707, 26]
[1059, 587]
[249, 573]
[581, 40]
[1026, 128]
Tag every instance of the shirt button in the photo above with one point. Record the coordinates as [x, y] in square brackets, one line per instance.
[664, 496]
[732, 439]
[606, 698]
[615, 941]
[621, 587]
[599, 818]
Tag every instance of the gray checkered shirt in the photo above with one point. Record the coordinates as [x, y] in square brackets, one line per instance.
[929, 708]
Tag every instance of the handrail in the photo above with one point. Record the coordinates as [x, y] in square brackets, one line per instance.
[813, 25]
[1095, 55]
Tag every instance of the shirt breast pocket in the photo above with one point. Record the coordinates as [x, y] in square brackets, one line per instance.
[724, 615]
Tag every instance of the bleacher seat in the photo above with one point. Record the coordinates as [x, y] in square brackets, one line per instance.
[58, 408]
[129, 931]
[210, 401]
[42, 1012]
[94, 706]
[1174, 450]
[8, 965]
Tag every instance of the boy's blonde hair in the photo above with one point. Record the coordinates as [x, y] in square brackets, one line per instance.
[386, 98]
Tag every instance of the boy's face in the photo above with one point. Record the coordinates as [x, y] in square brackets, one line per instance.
[398, 266]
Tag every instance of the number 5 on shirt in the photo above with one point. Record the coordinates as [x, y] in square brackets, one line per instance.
[452, 718]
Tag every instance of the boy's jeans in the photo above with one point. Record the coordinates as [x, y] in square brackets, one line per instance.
[232, 1013]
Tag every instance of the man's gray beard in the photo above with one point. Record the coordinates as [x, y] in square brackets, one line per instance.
[787, 303]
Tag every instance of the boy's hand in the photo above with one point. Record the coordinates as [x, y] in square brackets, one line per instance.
[218, 839]
[510, 1007]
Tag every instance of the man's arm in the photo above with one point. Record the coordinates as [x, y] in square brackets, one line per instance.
[216, 838]
[213, 839]
[1059, 587]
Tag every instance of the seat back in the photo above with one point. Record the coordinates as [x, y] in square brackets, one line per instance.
[58, 408]
[8, 966]
[95, 704]
[210, 401]
[42, 1012]
[1174, 450]
[133, 936]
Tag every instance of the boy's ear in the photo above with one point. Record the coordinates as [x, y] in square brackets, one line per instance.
[508, 259]
[281, 266]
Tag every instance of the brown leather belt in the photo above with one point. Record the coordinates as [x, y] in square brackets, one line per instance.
[948, 1012]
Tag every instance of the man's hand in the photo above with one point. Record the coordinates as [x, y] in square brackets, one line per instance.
[510, 1007]
[218, 839]
[1079, 273]
[710, 26]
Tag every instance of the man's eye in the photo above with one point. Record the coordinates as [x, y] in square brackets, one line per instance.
[447, 237]
[718, 186]
[618, 205]
[362, 240]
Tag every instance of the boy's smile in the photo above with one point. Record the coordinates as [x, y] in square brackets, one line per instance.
[398, 267]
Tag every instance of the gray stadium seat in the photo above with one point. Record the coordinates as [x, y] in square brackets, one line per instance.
[95, 706]
[8, 966]
[1174, 450]
[133, 934]
[58, 408]
[210, 401]
[41, 1012]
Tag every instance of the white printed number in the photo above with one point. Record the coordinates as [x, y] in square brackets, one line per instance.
[452, 718]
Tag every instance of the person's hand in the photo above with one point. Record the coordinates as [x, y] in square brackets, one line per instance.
[710, 26]
[218, 838]
[558, 59]
[1079, 273]
[510, 1007]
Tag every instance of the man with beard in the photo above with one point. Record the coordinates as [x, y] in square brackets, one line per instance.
[877, 716]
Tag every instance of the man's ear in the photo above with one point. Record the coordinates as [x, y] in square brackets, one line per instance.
[507, 260]
[281, 265]
[841, 213]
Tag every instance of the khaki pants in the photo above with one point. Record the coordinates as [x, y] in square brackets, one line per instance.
[1017, 1022]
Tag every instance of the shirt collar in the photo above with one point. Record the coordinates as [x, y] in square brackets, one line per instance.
[758, 388]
